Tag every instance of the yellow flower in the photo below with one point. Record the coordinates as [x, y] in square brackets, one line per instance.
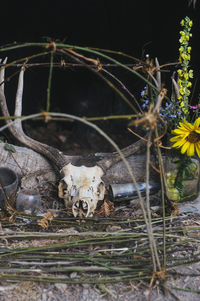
[185, 111]
[189, 49]
[187, 136]
[184, 56]
[186, 76]
[179, 82]
[189, 84]
[182, 40]
[190, 73]
[181, 49]
[182, 90]
[180, 72]
[190, 23]
[182, 22]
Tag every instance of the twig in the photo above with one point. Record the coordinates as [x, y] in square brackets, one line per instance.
[130, 116]
[123, 86]
[107, 291]
[137, 135]
[155, 257]
[49, 81]
[62, 64]
[84, 49]
[24, 59]
[87, 280]
[158, 74]
[163, 190]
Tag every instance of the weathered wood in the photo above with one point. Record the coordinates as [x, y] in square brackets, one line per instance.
[31, 165]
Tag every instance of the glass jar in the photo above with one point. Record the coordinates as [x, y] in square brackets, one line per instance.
[182, 178]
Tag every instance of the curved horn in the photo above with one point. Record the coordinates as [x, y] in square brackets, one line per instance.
[53, 154]
[108, 162]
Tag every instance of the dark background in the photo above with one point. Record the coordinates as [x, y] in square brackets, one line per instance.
[126, 25]
[134, 27]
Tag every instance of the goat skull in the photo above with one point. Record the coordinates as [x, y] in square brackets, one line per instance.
[81, 188]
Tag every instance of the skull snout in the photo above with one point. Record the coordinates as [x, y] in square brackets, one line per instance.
[86, 203]
[81, 208]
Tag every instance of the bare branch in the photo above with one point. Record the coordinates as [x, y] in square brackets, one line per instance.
[158, 74]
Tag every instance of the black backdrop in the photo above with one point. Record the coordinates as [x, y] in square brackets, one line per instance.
[135, 27]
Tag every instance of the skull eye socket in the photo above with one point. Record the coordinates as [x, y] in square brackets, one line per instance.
[64, 186]
[101, 190]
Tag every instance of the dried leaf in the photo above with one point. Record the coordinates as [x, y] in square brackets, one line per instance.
[48, 217]
[106, 209]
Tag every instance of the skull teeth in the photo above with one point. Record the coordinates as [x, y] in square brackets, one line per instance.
[80, 208]
[77, 204]
[84, 205]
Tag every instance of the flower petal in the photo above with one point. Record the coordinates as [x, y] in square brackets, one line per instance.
[185, 147]
[197, 147]
[190, 150]
[179, 137]
[178, 143]
[176, 138]
[187, 126]
[179, 132]
[197, 123]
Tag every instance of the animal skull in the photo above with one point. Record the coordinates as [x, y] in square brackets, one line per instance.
[81, 188]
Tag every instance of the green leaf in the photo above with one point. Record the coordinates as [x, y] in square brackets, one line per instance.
[10, 148]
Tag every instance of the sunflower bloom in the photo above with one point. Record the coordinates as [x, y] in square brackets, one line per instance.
[187, 136]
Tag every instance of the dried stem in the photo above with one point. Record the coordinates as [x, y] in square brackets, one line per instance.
[152, 243]
[123, 86]
[49, 82]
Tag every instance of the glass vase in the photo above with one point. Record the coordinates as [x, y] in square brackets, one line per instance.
[182, 178]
